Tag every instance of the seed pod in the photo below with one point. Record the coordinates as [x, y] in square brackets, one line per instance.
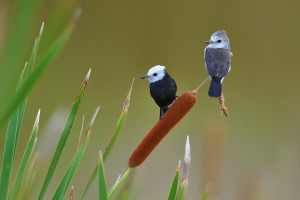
[174, 114]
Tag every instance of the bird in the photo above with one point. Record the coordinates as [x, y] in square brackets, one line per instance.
[163, 87]
[217, 56]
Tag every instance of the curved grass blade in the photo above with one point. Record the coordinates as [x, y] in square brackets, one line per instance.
[26, 72]
[38, 72]
[14, 48]
[118, 183]
[185, 170]
[13, 131]
[173, 190]
[29, 148]
[119, 125]
[64, 136]
[66, 180]
[205, 195]
[28, 186]
[101, 180]
[112, 140]
[181, 191]
[71, 193]
[127, 191]
[9, 148]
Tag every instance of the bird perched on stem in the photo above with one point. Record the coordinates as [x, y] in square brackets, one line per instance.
[217, 58]
[162, 87]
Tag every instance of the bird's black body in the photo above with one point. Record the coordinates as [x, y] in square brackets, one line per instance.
[164, 92]
[217, 62]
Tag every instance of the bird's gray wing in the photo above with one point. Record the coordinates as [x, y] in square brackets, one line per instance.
[217, 62]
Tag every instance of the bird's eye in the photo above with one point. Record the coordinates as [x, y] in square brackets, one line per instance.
[155, 74]
[219, 41]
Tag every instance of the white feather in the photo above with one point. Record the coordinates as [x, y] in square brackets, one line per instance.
[157, 70]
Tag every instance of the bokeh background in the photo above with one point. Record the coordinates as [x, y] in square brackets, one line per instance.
[252, 154]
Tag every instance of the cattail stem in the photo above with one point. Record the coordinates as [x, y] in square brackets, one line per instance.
[175, 113]
[222, 105]
[201, 84]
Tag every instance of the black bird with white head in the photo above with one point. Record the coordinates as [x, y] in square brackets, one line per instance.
[217, 58]
[162, 87]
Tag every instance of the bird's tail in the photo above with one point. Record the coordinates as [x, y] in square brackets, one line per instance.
[163, 111]
[215, 89]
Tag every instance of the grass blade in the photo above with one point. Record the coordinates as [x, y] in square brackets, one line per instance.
[14, 48]
[71, 193]
[127, 191]
[26, 156]
[26, 72]
[38, 72]
[182, 191]
[173, 190]
[30, 175]
[112, 140]
[8, 156]
[87, 187]
[64, 136]
[69, 174]
[205, 195]
[118, 183]
[119, 125]
[102, 181]
[186, 162]
[185, 170]
[12, 135]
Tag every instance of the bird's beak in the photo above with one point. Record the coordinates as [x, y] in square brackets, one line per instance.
[210, 42]
[146, 76]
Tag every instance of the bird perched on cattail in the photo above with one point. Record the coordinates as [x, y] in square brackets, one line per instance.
[217, 58]
[162, 87]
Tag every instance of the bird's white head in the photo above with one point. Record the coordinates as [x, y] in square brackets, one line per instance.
[156, 73]
[219, 40]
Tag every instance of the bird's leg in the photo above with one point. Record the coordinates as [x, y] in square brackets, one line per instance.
[161, 113]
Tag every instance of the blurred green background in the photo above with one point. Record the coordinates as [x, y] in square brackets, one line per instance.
[252, 154]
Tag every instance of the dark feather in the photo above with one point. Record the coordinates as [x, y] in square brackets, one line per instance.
[164, 92]
[215, 88]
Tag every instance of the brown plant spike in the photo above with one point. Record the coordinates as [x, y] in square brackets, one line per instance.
[222, 105]
[174, 114]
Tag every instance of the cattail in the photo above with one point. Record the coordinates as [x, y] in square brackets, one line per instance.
[222, 105]
[174, 114]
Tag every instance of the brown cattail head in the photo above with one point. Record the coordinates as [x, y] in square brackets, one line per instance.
[174, 114]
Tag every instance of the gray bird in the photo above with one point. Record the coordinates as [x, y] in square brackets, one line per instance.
[217, 58]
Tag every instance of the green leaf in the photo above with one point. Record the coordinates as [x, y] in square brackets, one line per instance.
[9, 149]
[87, 187]
[37, 73]
[8, 155]
[113, 139]
[26, 156]
[71, 193]
[173, 190]
[205, 193]
[12, 57]
[118, 183]
[70, 172]
[27, 70]
[64, 136]
[12, 136]
[119, 125]
[181, 192]
[101, 180]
